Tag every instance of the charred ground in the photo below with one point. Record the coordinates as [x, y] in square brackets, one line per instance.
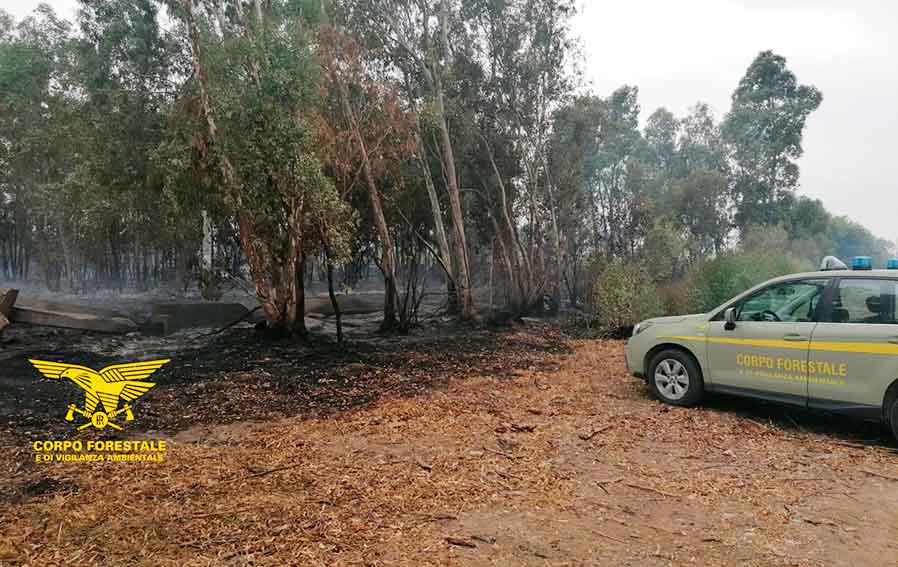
[447, 448]
[244, 376]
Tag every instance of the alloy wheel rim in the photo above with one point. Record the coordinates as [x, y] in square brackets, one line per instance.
[672, 379]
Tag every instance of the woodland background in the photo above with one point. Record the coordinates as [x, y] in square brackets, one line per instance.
[415, 146]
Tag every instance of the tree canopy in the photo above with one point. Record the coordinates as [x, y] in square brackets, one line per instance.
[192, 142]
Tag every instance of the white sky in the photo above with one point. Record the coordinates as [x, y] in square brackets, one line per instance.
[681, 52]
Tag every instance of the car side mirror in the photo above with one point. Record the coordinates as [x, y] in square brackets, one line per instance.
[730, 317]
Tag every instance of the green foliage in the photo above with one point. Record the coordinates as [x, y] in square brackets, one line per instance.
[700, 144]
[715, 281]
[107, 158]
[814, 233]
[623, 295]
[699, 204]
[332, 223]
[664, 251]
[764, 128]
[661, 131]
[677, 297]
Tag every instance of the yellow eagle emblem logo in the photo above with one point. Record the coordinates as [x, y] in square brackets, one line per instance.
[106, 387]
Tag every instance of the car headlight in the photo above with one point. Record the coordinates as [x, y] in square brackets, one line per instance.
[641, 327]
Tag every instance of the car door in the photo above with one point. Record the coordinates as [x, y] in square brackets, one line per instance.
[766, 353]
[853, 349]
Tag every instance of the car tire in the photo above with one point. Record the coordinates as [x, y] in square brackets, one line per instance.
[675, 378]
[893, 418]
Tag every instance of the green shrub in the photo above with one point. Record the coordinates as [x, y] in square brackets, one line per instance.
[676, 297]
[664, 251]
[624, 295]
[712, 282]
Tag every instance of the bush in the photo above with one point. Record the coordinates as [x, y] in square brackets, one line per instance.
[624, 295]
[664, 252]
[676, 297]
[713, 282]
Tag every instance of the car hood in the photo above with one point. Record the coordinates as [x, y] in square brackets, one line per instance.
[676, 319]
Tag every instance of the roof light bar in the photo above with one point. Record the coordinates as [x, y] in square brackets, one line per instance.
[862, 263]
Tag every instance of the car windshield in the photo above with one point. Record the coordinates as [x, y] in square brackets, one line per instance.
[790, 301]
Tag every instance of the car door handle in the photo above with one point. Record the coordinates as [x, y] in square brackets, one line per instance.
[795, 338]
[893, 340]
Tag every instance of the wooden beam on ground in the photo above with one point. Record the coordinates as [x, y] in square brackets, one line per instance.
[48, 314]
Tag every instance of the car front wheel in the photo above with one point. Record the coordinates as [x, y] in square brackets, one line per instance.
[675, 378]
[893, 418]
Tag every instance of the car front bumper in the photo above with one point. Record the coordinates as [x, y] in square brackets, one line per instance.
[634, 362]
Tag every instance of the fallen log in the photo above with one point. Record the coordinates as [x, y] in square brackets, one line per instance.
[68, 308]
[46, 314]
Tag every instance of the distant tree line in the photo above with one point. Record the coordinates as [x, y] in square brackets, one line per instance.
[154, 142]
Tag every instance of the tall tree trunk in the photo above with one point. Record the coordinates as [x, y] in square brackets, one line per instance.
[437, 212]
[560, 250]
[428, 64]
[520, 273]
[463, 278]
[388, 261]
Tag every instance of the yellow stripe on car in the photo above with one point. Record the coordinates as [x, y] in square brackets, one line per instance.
[865, 348]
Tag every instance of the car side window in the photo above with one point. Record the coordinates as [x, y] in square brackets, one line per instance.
[863, 301]
[783, 302]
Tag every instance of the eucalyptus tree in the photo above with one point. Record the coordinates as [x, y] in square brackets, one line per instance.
[368, 132]
[256, 76]
[37, 134]
[524, 54]
[687, 161]
[701, 144]
[420, 38]
[661, 132]
[577, 130]
[126, 68]
[764, 130]
[618, 178]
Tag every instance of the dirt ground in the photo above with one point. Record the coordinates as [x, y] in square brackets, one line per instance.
[517, 448]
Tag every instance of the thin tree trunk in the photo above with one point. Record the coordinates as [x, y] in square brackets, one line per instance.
[388, 262]
[560, 250]
[438, 225]
[519, 266]
[436, 210]
[463, 279]
[428, 65]
[298, 324]
[330, 291]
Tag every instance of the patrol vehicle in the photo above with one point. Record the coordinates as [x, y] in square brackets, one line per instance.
[824, 340]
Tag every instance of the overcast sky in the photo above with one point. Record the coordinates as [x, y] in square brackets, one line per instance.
[681, 52]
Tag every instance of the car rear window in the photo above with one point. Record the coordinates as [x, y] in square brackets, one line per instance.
[863, 301]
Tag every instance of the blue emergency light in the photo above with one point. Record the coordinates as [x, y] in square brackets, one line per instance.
[862, 263]
[892, 264]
